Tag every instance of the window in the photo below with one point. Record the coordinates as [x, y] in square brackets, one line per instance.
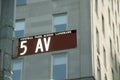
[119, 29]
[98, 74]
[17, 70]
[116, 17]
[112, 4]
[20, 2]
[117, 44]
[118, 5]
[60, 22]
[109, 17]
[119, 72]
[105, 77]
[113, 32]
[98, 70]
[111, 48]
[103, 25]
[104, 56]
[115, 62]
[103, 2]
[96, 6]
[113, 75]
[19, 28]
[97, 40]
[59, 67]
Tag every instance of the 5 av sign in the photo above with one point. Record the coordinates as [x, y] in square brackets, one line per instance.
[47, 42]
[39, 45]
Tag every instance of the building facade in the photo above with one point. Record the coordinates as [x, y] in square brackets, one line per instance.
[96, 55]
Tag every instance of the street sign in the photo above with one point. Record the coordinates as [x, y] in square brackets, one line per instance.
[47, 43]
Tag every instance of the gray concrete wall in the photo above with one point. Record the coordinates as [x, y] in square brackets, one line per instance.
[85, 30]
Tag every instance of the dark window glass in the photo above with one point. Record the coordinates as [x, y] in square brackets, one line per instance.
[20, 2]
[17, 70]
[19, 33]
[59, 67]
[19, 28]
[60, 22]
[16, 75]
[59, 72]
[61, 27]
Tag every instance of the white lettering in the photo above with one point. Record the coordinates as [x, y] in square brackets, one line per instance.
[39, 46]
[47, 43]
[22, 45]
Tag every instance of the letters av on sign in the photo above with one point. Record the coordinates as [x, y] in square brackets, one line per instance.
[47, 43]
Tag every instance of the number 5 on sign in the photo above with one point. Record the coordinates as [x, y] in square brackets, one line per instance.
[22, 45]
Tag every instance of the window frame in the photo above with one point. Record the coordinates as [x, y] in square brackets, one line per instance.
[103, 25]
[111, 48]
[113, 74]
[98, 68]
[21, 68]
[97, 40]
[105, 77]
[52, 63]
[109, 17]
[96, 7]
[20, 20]
[104, 56]
[59, 14]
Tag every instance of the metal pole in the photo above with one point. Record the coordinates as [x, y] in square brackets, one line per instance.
[6, 36]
